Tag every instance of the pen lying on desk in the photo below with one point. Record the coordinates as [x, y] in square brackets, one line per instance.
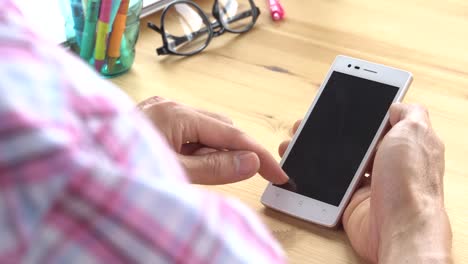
[276, 10]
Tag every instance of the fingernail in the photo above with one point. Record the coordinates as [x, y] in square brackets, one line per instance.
[155, 99]
[285, 178]
[149, 102]
[246, 163]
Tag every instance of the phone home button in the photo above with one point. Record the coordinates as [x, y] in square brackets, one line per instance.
[300, 203]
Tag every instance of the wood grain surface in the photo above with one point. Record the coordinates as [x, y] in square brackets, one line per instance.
[266, 79]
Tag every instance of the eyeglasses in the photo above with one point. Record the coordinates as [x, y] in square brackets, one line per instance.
[186, 29]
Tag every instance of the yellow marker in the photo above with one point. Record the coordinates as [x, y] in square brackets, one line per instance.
[101, 35]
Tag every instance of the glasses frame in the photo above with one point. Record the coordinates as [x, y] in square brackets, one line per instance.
[215, 29]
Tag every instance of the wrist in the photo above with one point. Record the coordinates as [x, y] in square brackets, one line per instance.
[424, 237]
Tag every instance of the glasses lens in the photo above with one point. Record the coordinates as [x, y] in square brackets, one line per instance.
[185, 29]
[236, 15]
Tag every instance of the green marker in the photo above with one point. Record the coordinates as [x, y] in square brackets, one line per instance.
[89, 32]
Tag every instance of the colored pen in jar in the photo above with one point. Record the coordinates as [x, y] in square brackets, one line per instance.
[101, 34]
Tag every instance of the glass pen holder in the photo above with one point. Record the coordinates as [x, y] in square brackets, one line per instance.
[103, 32]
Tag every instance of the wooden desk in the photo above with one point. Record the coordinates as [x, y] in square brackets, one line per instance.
[266, 79]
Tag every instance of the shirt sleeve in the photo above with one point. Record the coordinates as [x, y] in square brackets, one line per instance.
[84, 177]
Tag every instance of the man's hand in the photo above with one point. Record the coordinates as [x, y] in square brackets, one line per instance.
[210, 148]
[400, 216]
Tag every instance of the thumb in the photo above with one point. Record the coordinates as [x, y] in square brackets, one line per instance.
[395, 113]
[400, 111]
[221, 167]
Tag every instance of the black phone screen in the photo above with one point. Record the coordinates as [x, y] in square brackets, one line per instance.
[336, 137]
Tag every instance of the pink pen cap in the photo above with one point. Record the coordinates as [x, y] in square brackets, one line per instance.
[276, 10]
[98, 64]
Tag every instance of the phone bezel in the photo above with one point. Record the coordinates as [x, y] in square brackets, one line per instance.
[314, 210]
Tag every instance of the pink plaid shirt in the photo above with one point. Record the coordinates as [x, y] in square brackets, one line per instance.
[84, 178]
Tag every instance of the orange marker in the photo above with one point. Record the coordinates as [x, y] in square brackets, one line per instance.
[113, 50]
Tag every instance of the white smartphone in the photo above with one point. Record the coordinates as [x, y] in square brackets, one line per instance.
[336, 139]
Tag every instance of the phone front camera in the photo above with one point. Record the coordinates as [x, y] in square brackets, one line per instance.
[349, 65]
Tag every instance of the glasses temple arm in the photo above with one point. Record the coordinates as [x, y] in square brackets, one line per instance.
[243, 15]
[180, 40]
[216, 24]
[154, 27]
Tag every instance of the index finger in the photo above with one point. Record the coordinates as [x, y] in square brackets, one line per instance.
[295, 127]
[216, 134]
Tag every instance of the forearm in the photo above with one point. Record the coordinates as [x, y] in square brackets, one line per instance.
[426, 239]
